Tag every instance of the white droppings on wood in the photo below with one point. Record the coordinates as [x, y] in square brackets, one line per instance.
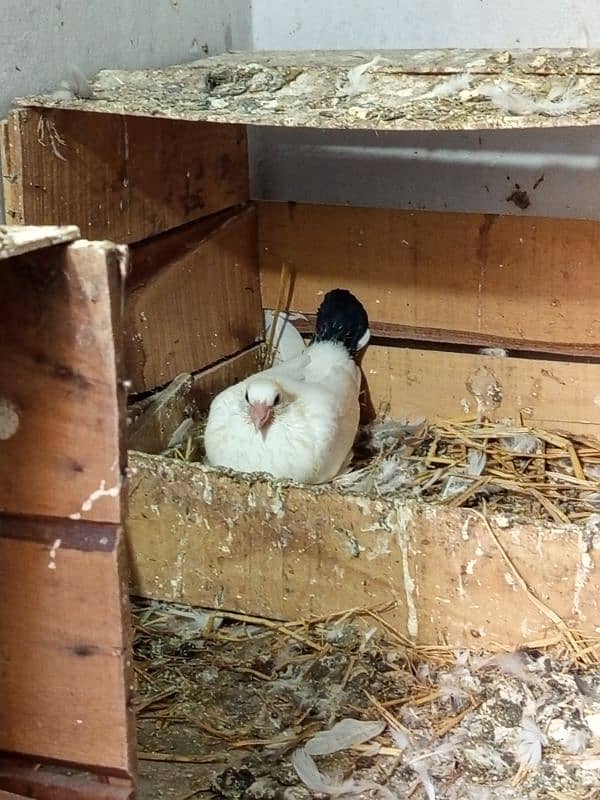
[404, 517]
[207, 494]
[380, 547]
[96, 495]
[509, 578]
[9, 418]
[470, 566]
[464, 530]
[53, 551]
[585, 564]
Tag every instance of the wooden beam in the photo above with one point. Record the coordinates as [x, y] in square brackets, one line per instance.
[65, 660]
[396, 334]
[11, 162]
[117, 177]
[519, 279]
[61, 397]
[193, 299]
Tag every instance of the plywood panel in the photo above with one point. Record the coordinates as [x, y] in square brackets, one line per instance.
[64, 646]
[405, 90]
[61, 402]
[414, 382]
[193, 299]
[509, 277]
[326, 553]
[119, 177]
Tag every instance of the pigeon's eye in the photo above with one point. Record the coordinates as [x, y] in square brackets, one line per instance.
[277, 400]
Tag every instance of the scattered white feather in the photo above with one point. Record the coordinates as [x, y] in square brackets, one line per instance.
[476, 461]
[387, 476]
[75, 85]
[390, 432]
[180, 434]
[529, 743]
[486, 757]
[506, 97]
[454, 85]
[425, 778]
[345, 734]
[573, 739]
[522, 444]
[399, 738]
[366, 638]
[199, 619]
[494, 352]
[512, 664]
[592, 471]
[330, 785]
[358, 80]
[454, 486]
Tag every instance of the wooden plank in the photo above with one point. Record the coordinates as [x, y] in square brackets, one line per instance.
[49, 782]
[325, 552]
[153, 420]
[193, 299]
[11, 161]
[529, 280]
[395, 334]
[64, 654]
[433, 383]
[62, 401]
[118, 177]
[15, 240]
[394, 90]
[156, 418]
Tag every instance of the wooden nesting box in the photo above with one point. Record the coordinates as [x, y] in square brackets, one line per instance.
[157, 159]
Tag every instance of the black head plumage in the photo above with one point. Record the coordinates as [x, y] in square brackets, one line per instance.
[341, 318]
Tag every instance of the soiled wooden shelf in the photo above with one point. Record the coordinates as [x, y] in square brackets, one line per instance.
[385, 90]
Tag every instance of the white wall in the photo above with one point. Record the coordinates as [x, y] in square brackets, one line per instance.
[39, 38]
[454, 171]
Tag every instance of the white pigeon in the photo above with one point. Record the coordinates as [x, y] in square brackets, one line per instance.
[297, 420]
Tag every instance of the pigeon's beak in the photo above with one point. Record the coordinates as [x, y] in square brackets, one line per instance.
[260, 414]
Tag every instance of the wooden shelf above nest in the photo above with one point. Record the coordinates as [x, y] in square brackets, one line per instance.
[385, 90]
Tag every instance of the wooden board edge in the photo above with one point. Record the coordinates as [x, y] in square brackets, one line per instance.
[435, 565]
[11, 158]
[46, 781]
[394, 334]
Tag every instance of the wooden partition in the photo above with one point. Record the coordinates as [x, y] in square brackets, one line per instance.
[469, 312]
[65, 634]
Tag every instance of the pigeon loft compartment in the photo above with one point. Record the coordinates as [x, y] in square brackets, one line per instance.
[486, 326]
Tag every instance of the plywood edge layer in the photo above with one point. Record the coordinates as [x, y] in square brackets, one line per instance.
[325, 552]
[16, 240]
